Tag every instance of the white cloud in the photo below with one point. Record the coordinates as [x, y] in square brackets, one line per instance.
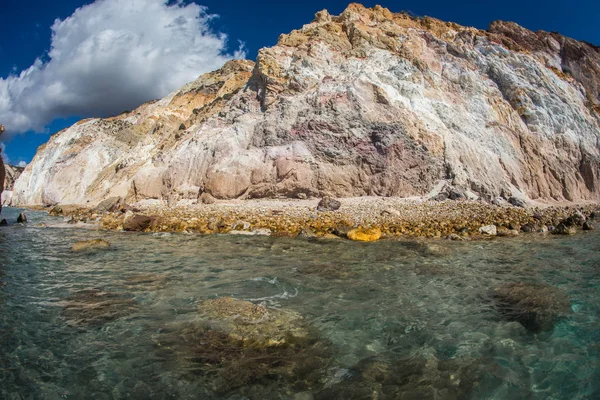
[22, 164]
[110, 56]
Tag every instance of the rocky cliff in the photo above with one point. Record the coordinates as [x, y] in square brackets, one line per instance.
[2, 171]
[12, 173]
[365, 103]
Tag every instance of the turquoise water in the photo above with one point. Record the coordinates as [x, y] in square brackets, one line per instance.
[393, 319]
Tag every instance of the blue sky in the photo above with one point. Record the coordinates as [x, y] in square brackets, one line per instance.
[25, 34]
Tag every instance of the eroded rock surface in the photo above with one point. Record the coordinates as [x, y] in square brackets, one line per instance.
[365, 103]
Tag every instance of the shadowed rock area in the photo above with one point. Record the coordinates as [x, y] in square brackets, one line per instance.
[535, 306]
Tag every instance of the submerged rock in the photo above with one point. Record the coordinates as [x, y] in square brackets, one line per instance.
[3, 222]
[89, 245]
[247, 321]
[328, 204]
[535, 306]
[365, 235]
[22, 218]
[240, 345]
[95, 307]
[411, 378]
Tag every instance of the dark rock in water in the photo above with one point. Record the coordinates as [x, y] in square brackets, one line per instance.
[22, 219]
[328, 204]
[95, 307]
[564, 229]
[535, 306]
[241, 345]
[109, 205]
[138, 223]
[529, 227]
[412, 378]
[588, 226]
[516, 202]
[3, 222]
[576, 219]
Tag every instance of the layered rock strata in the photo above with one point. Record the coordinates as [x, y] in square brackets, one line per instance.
[12, 173]
[365, 103]
[2, 171]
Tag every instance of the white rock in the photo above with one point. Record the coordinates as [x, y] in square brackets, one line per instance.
[488, 230]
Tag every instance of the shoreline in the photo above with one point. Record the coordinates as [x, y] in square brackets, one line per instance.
[363, 219]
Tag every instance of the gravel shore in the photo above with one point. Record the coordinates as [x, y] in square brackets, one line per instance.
[380, 217]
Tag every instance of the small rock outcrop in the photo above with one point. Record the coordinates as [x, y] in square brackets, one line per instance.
[22, 218]
[535, 306]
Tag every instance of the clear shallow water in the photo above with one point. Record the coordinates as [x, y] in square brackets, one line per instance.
[421, 309]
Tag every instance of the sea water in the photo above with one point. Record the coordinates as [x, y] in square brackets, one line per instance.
[393, 302]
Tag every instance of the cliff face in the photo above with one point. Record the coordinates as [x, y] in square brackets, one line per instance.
[12, 173]
[2, 171]
[365, 103]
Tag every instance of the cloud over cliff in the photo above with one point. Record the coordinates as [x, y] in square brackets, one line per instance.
[110, 56]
